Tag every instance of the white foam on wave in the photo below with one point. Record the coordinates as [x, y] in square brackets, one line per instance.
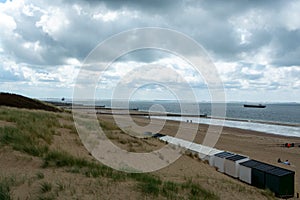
[261, 127]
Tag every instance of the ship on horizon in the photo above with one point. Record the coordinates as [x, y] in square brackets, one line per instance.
[254, 106]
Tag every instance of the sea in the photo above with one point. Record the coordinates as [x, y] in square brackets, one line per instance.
[275, 118]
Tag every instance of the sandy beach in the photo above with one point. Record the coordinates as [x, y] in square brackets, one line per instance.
[68, 170]
[257, 145]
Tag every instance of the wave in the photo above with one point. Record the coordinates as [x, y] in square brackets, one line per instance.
[260, 127]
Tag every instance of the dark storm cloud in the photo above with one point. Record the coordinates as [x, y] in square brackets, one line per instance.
[145, 5]
[206, 21]
[286, 48]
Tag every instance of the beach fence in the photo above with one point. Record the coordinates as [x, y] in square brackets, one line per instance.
[256, 173]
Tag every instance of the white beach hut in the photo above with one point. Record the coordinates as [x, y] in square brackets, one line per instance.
[176, 141]
[232, 165]
[183, 143]
[207, 153]
[166, 138]
[203, 152]
[195, 148]
[245, 173]
[219, 160]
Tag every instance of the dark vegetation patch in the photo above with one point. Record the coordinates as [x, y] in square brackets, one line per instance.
[18, 101]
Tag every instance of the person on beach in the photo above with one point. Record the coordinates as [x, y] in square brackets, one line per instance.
[279, 161]
[287, 162]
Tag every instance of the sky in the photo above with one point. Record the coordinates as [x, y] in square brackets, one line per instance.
[255, 46]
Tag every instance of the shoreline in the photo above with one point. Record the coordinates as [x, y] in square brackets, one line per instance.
[137, 112]
[272, 129]
[253, 132]
[266, 127]
[154, 114]
[261, 121]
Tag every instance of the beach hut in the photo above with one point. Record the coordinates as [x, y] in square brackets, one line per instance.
[207, 154]
[232, 165]
[245, 173]
[183, 143]
[278, 180]
[281, 182]
[254, 172]
[195, 148]
[166, 138]
[219, 160]
[176, 141]
[258, 174]
[202, 152]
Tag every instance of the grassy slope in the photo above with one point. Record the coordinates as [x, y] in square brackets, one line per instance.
[34, 136]
[51, 171]
[14, 100]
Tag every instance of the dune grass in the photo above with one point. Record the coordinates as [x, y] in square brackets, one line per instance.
[198, 192]
[32, 125]
[4, 190]
[45, 187]
[106, 126]
[146, 183]
[268, 194]
[21, 142]
[40, 175]
[5, 186]
[170, 189]
[33, 134]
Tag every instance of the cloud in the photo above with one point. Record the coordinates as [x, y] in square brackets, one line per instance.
[250, 76]
[7, 23]
[253, 43]
[9, 76]
[290, 14]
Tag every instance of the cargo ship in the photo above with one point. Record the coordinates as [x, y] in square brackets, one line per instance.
[254, 106]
